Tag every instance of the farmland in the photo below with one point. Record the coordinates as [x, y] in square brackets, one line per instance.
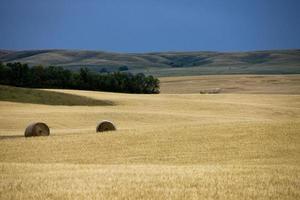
[241, 84]
[231, 145]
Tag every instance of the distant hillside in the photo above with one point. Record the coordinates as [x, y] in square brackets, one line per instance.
[165, 63]
[5, 52]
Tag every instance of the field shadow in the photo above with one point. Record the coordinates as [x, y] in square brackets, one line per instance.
[7, 137]
[36, 96]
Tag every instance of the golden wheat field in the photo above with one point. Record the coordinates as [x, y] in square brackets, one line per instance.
[167, 146]
[241, 84]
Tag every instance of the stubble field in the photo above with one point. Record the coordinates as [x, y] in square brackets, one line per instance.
[167, 146]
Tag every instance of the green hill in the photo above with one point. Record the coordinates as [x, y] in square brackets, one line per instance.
[165, 63]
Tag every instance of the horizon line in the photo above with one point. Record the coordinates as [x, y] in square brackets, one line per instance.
[150, 52]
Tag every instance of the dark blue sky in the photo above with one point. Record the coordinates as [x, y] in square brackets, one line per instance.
[150, 25]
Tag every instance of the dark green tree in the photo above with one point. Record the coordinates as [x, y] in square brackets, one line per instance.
[18, 74]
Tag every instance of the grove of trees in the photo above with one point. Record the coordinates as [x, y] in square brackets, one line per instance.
[21, 75]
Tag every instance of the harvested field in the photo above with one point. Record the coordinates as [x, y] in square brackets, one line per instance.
[167, 146]
[243, 84]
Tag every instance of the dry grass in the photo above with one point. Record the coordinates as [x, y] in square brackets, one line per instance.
[192, 146]
[245, 84]
[62, 181]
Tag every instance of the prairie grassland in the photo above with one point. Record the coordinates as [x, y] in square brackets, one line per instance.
[167, 146]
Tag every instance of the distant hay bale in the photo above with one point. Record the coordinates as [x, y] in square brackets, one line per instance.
[37, 129]
[105, 126]
[211, 91]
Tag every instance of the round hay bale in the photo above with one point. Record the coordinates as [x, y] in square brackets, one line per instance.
[105, 126]
[37, 129]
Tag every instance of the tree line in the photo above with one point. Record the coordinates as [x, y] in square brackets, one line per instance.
[21, 75]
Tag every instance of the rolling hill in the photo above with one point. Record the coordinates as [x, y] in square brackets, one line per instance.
[165, 63]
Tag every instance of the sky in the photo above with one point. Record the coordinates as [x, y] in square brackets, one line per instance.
[150, 25]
